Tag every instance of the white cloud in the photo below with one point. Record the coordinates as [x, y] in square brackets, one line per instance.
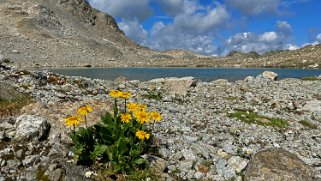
[126, 9]
[261, 43]
[291, 47]
[268, 36]
[255, 7]
[135, 31]
[319, 38]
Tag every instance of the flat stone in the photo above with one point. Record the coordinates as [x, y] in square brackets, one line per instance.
[188, 154]
[269, 74]
[237, 163]
[31, 127]
[279, 165]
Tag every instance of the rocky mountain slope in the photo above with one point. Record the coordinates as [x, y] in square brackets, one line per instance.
[58, 33]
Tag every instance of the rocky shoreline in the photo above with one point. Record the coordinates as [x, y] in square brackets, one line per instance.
[199, 139]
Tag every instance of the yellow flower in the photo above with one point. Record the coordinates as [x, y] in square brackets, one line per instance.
[132, 107]
[83, 110]
[142, 135]
[72, 121]
[155, 116]
[142, 117]
[141, 107]
[125, 118]
[125, 95]
[115, 93]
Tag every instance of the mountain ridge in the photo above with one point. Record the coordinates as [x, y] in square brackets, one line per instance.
[70, 33]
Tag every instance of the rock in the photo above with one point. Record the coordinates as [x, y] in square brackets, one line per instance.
[178, 86]
[55, 175]
[188, 154]
[158, 163]
[270, 75]
[185, 165]
[237, 163]
[198, 175]
[31, 127]
[277, 164]
[8, 92]
[13, 163]
[312, 106]
[223, 170]
[121, 79]
[30, 160]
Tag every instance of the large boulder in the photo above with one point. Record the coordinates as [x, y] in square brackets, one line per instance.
[8, 92]
[31, 128]
[270, 75]
[277, 164]
[178, 86]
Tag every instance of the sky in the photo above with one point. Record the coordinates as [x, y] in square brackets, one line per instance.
[216, 27]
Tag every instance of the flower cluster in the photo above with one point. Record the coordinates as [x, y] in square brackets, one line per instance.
[136, 112]
[120, 94]
[73, 121]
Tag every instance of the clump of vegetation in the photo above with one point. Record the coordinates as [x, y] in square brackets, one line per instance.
[309, 78]
[6, 60]
[154, 95]
[308, 124]
[253, 118]
[119, 141]
[13, 106]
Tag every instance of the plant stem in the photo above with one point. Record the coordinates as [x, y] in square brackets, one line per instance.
[86, 121]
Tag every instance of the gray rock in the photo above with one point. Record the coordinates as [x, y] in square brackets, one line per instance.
[178, 86]
[13, 163]
[31, 127]
[185, 165]
[198, 175]
[277, 164]
[55, 175]
[237, 163]
[269, 74]
[30, 160]
[188, 154]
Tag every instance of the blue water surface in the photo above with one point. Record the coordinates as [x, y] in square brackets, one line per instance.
[204, 74]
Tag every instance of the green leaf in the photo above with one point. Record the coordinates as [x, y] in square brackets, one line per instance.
[140, 161]
[121, 146]
[107, 119]
[98, 151]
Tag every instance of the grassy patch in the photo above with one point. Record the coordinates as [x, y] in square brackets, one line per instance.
[231, 98]
[309, 78]
[308, 124]
[6, 60]
[10, 107]
[253, 118]
[136, 175]
[154, 95]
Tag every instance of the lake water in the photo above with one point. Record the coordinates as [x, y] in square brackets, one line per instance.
[204, 74]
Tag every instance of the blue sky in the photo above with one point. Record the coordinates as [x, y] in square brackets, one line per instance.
[216, 27]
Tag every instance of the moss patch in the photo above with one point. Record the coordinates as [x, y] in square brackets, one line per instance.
[11, 107]
[308, 124]
[253, 118]
[309, 78]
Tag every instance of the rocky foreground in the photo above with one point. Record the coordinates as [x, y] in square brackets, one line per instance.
[199, 138]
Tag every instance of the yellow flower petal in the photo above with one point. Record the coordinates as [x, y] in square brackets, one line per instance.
[125, 118]
[142, 117]
[142, 135]
[72, 121]
[132, 107]
[125, 95]
[84, 110]
[155, 116]
[115, 93]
